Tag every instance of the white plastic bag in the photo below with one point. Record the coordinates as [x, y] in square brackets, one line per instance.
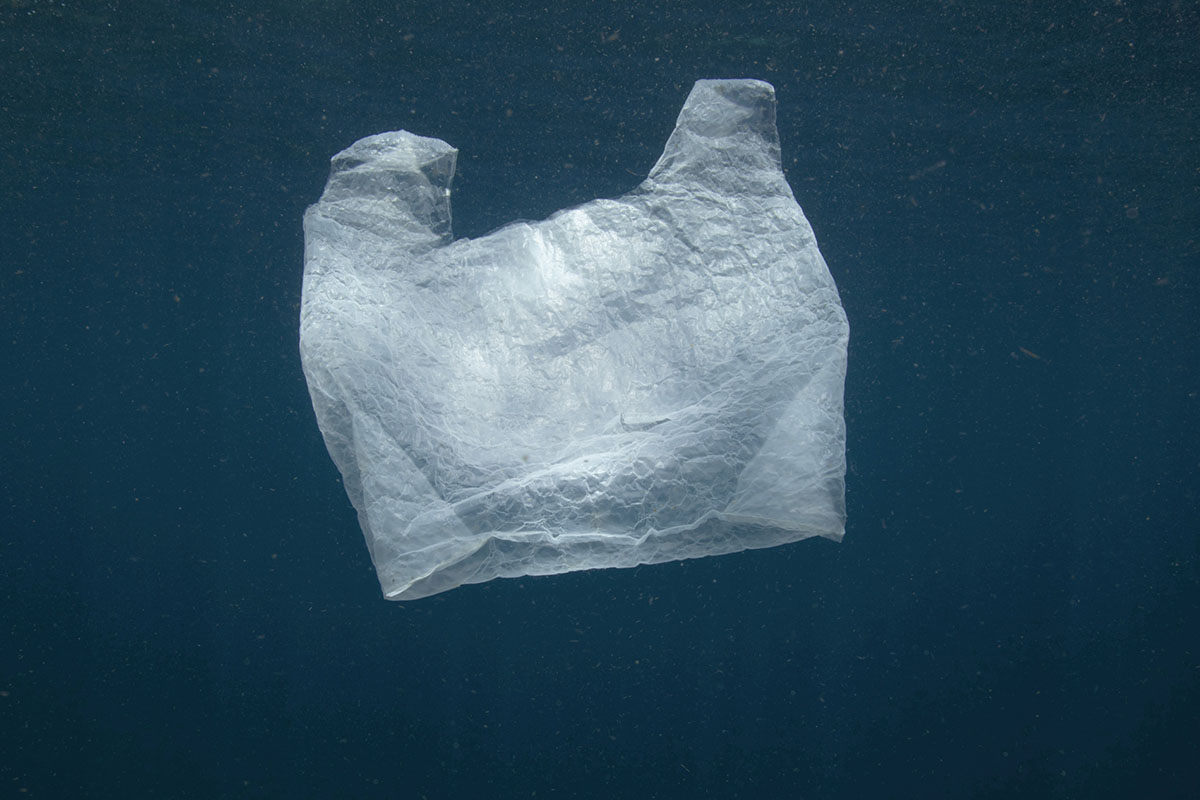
[631, 381]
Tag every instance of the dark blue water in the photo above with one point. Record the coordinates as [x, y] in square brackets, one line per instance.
[1008, 195]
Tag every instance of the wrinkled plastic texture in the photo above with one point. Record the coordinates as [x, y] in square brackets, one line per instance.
[631, 381]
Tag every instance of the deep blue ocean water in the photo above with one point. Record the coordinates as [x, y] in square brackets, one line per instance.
[1008, 196]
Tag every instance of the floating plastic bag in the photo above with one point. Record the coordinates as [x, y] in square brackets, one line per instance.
[646, 379]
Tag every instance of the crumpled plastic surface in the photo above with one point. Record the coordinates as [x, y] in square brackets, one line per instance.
[631, 381]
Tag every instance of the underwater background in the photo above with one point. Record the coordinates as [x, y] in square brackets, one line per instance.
[1008, 196]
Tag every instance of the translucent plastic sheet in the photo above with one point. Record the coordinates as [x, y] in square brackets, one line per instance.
[631, 381]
